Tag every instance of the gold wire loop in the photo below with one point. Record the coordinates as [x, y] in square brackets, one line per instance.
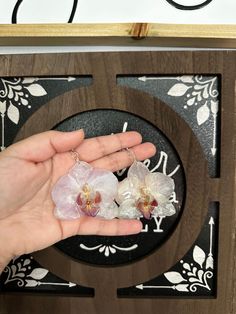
[75, 155]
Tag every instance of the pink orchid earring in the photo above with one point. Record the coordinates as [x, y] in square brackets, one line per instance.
[85, 190]
[144, 193]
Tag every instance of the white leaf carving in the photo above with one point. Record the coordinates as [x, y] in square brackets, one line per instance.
[31, 283]
[187, 78]
[194, 271]
[14, 270]
[107, 253]
[178, 90]
[193, 279]
[29, 80]
[214, 106]
[2, 107]
[174, 277]
[182, 287]
[22, 275]
[24, 101]
[26, 262]
[36, 90]
[210, 262]
[198, 87]
[13, 113]
[186, 266]
[199, 255]
[38, 273]
[200, 274]
[203, 114]
[191, 101]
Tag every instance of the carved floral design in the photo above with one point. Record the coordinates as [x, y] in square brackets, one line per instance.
[195, 90]
[19, 271]
[108, 249]
[199, 92]
[15, 94]
[194, 274]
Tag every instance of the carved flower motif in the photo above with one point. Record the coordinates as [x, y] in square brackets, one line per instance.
[144, 193]
[85, 191]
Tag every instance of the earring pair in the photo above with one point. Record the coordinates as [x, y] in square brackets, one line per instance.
[90, 191]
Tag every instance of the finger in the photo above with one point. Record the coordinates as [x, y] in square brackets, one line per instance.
[97, 147]
[123, 159]
[96, 226]
[43, 146]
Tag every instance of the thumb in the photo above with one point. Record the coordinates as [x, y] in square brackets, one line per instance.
[43, 146]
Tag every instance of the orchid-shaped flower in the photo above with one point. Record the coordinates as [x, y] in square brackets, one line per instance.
[85, 191]
[144, 193]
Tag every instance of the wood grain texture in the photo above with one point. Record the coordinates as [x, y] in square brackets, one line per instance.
[104, 93]
[119, 33]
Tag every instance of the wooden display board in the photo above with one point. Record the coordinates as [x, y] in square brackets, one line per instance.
[184, 102]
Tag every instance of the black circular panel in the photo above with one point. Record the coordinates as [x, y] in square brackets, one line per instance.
[104, 250]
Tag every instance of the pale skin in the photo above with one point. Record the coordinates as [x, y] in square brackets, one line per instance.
[28, 171]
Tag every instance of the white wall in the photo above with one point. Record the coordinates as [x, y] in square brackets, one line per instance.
[107, 11]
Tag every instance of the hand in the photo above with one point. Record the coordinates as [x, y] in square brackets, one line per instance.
[29, 170]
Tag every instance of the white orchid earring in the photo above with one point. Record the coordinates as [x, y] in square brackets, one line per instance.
[85, 190]
[144, 193]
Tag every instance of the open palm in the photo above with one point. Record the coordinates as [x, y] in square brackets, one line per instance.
[29, 170]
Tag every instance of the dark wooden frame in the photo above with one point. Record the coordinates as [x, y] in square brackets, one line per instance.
[104, 93]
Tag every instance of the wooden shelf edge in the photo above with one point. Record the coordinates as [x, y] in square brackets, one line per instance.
[118, 34]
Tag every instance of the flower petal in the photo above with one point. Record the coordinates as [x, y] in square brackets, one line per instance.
[67, 211]
[167, 209]
[108, 212]
[64, 197]
[128, 210]
[80, 172]
[104, 182]
[65, 191]
[160, 185]
[125, 191]
[137, 173]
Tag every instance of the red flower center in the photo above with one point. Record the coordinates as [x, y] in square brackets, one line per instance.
[146, 206]
[89, 201]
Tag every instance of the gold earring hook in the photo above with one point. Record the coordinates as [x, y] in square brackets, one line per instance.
[75, 155]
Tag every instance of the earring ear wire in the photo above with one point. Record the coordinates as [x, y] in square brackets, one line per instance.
[131, 154]
[75, 155]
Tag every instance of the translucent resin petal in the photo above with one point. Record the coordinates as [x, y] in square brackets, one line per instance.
[128, 210]
[161, 186]
[109, 212]
[137, 173]
[80, 172]
[64, 195]
[167, 209]
[85, 191]
[125, 191]
[105, 182]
